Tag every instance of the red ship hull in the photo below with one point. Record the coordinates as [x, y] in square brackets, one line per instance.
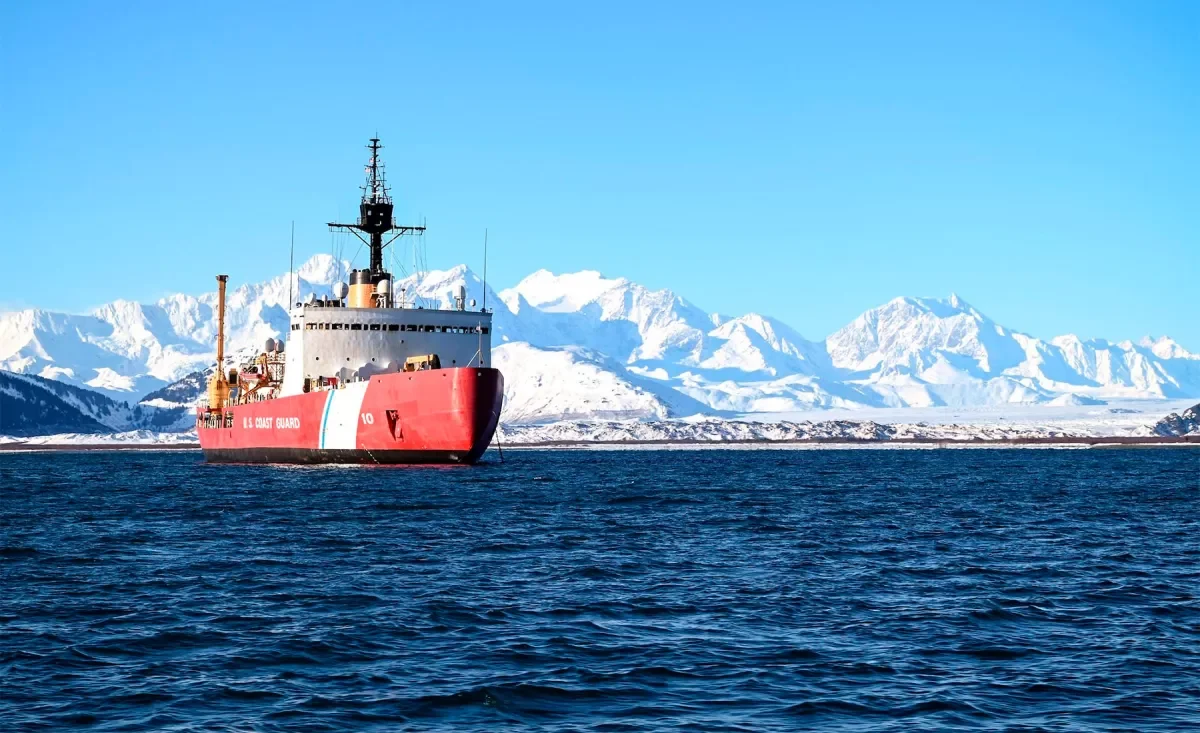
[436, 416]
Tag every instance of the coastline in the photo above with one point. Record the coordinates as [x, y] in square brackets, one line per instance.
[1081, 441]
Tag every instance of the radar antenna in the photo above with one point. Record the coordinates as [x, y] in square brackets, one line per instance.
[375, 214]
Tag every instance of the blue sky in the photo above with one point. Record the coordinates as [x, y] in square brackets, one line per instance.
[806, 161]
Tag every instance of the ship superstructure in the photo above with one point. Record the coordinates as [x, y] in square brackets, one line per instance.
[364, 377]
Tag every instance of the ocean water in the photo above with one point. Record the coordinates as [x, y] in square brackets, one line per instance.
[604, 591]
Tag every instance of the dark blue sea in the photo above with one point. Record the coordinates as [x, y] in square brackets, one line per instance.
[715, 590]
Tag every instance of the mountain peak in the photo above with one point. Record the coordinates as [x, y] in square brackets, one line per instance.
[321, 269]
[1165, 347]
[914, 334]
[939, 307]
[567, 292]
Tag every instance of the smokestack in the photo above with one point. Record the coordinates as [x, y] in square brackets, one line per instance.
[218, 386]
[221, 280]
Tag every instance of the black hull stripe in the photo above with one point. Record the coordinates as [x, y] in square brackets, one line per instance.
[313, 456]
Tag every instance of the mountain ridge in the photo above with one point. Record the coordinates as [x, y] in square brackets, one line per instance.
[614, 348]
[33, 405]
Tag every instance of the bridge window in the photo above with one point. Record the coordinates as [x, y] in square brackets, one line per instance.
[355, 326]
[393, 326]
[374, 326]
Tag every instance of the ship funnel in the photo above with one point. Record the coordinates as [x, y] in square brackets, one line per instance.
[362, 289]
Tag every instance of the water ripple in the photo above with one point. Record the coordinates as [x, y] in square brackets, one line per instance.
[614, 591]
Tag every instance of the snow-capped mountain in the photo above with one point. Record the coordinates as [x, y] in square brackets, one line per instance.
[580, 346]
[126, 350]
[746, 364]
[654, 328]
[925, 352]
[573, 383]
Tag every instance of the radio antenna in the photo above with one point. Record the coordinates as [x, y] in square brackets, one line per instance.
[291, 265]
[485, 270]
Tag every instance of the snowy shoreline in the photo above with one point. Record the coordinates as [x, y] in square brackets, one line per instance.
[1013, 444]
[1012, 427]
[67, 443]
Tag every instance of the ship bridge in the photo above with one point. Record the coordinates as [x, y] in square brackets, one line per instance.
[350, 344]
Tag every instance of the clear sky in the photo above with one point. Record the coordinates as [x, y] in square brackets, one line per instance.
[803, 160]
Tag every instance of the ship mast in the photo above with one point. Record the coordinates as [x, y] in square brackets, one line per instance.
[375, 215]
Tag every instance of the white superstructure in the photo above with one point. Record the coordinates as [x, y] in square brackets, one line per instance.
[350, 344]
